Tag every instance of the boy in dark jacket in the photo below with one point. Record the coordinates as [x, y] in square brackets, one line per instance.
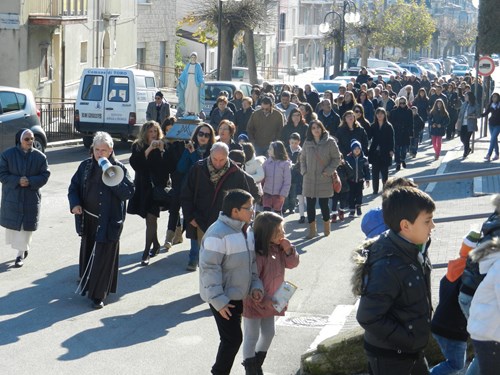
[293, 150]
[394, 284]
[361, 176]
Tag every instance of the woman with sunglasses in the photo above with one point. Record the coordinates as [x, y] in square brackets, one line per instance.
[197, 148]
[359, 113]
[23, 171]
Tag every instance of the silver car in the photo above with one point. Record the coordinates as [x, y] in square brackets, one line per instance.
[18, 110]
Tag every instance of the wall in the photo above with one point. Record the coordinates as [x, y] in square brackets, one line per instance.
[10, 53]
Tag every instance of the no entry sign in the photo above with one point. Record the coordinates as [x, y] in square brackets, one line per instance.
[485, 66]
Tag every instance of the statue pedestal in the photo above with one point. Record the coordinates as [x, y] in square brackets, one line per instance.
[184, 128]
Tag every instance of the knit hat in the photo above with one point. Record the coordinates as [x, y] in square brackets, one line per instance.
[243, 138]
[355, 144]
[372, 223]
[456, 266]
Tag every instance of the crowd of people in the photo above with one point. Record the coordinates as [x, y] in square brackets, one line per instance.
[267, 156]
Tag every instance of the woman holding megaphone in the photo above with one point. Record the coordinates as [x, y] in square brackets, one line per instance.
[150, 170]
[97, 196]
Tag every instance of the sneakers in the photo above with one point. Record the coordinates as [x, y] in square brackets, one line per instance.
[358, 211]
[352, 213]
[191, 267]
[494, 158]
[487, 157]
[302, 220]
[334, 218]
[19, 262]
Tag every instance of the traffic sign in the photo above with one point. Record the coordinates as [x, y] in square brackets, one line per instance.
[485, 66]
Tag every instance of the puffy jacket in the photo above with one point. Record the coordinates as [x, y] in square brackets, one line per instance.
[360, 167]
[441, 124]
[316, 159]
[228, 270]
[484, 319]
[20, 206]
[395, 306]
[271, 270]
[345, 137]
[278, 177]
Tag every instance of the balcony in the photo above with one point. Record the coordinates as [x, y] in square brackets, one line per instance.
[57, 12]
[307, 32]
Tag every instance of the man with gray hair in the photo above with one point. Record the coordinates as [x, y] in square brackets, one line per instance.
[285, 106]
[205, 187]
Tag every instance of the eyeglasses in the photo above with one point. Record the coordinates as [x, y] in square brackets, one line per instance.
[28, 139]
[402, 103]
[247, 208]
[203, 134]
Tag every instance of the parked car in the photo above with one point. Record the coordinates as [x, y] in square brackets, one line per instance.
[415, 69]
[460, 69]
[238, 73]
[327, 84]
[213, 88]
[18, 110]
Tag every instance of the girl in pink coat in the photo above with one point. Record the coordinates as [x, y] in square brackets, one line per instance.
[274, 254]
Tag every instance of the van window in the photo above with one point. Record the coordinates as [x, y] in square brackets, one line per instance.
[150, 82]
[140, 81]
[92, 87]
[118, 89]
[9, 101]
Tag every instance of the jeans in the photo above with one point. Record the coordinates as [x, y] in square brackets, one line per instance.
[400, 153]
[377, 170]
[311, 209]
[414, 141]
[230, 338]
[454, 352]
[494, 131]
[291, 199]
[465, 136]
[488, 356]
[194, 252]
[342, 198]
[355, 194]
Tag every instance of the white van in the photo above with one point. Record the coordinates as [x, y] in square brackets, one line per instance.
[376, 63]
[114, 101]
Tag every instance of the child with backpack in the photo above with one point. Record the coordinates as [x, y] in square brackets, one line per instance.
[274, 254]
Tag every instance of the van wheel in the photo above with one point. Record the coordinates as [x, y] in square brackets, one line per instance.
[87, 141]
[38, 143]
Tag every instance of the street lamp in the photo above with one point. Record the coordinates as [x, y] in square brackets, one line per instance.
[349, 15]
[219, 37]
[325, 28]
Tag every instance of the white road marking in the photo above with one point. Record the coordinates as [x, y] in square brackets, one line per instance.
[450, 155]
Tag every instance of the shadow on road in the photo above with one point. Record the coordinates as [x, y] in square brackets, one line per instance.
[75, 153]
[145, 325]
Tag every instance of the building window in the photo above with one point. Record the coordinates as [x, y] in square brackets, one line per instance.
[83, 52]
[141, 58]
[282, 27]
[44, 63]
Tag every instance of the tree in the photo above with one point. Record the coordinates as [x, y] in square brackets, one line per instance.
[488, 27]
[407, 25]
[239, 16]
[456, 35]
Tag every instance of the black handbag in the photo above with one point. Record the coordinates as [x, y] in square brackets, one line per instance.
[162, 195]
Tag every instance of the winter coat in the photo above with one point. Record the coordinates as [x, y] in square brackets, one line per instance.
[360, 167]
[494, 119]
[441, 122]
[278, 177]
[20, 207]
[296, 175]
[148, 172]
[395, 305]
[345, 136]
[484, 319]
[471, 113]
[382, 144]
[331, 122]
[254, 168]
[312, 98]
[418, 125]
[152, 112]
[202, 200]
[271, 271]
[241, 120]
[262, 129]
[422, 105]
[369, 109]
[112, 200]
[402, 122]
[434, 97]
[316, 159]
[228, 270]
[345, 107]
[217, 116]
[448, 320]
[288, 129]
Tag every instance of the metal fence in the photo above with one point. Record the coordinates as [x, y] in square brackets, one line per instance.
[57, 120]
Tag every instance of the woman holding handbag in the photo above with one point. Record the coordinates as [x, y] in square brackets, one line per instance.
[319, 159]
[150, 170]
[467, 120]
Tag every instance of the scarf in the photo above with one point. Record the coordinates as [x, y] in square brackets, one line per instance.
[215, 175]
